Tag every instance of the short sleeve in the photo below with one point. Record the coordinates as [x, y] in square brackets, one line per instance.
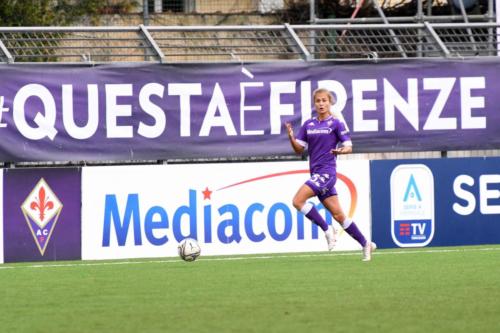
[342, 132]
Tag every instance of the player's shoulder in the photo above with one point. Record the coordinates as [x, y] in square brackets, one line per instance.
[340, 127]
[338, 122]
[333, 121]
[309, 122]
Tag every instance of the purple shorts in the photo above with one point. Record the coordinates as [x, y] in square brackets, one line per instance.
[323, 185]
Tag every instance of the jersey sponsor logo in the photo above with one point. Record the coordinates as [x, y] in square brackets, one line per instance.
[412, 205]
[319, 131]
[41, 209]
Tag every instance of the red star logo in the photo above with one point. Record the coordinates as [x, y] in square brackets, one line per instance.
[206, 194]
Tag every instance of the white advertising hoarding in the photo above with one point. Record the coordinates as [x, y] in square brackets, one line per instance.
[231, 208]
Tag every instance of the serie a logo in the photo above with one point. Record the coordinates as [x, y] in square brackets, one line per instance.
[412, 205]
[41, 210]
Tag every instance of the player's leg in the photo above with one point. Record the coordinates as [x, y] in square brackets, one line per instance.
[304, 193]
[300, 203]
[333, 205]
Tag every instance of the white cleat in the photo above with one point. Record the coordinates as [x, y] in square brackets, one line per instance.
[368, 249]
[331, 237]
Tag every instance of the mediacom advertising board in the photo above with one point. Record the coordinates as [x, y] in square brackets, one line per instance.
[42, 216]
[231, 208]
[436, 202]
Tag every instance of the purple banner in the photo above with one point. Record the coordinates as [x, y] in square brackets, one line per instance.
[153, 111]
[42, 214]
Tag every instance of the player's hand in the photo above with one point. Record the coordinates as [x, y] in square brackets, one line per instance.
[289, 129]
[341, 150]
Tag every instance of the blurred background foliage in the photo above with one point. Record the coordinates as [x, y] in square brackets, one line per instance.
[14, 13]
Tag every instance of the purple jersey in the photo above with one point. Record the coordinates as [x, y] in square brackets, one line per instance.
[319, 138]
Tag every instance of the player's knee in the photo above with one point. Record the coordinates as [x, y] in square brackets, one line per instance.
[297, 203]
[340, 217]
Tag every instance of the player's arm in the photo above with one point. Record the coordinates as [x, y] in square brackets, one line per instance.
[346, 144]
[298, 148]
[344, 149]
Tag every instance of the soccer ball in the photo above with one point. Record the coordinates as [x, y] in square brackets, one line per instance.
[189, 249]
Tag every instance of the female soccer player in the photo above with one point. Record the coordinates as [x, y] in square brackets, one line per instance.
[321, 136]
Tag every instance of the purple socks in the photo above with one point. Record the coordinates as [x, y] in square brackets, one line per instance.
[349, 226]
[312, 214]
[352, 229]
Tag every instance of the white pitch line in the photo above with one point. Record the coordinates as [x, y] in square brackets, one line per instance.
[278, 256]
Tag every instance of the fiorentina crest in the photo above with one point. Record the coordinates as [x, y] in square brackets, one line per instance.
[41, 210]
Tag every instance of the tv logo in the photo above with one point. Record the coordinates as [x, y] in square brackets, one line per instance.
[412, 205]
[404, 229]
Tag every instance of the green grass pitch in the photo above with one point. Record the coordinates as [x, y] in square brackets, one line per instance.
[414, 290]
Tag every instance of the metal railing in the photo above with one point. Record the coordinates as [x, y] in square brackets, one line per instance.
[173, 44]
